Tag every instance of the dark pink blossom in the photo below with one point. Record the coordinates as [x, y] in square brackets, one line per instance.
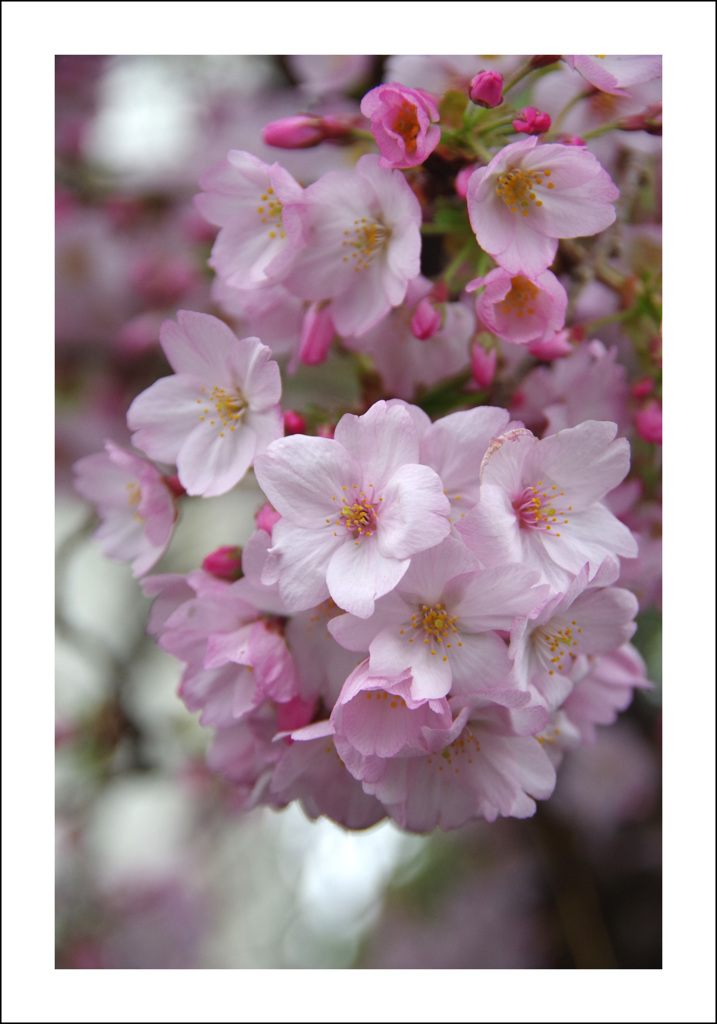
[401, 122]
[520, 309]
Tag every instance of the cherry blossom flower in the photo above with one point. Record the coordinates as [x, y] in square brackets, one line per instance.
[541, 503]
[245, 198]
[217, 412]
[611, 73]
[518, 309]
[354, 510]
[531, 195]
[406, 361]
[363, 243]
[439, 622]
[401, 123]
[488, 763]
[587, 619]
[136, 504]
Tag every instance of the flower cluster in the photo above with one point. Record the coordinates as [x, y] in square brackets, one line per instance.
[429, 612]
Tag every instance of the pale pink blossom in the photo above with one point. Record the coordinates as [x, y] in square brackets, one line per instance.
[377, 715]
[439, 623]
[541, 502]
[402, 123]
[245, 197]
[363, 243]
[219, 410]
[612, 74]
[311, 771]
[588, 619]
[404, 361]
[605, 686]
[488, 763]
[354, 510]
[134, 501]
[531, 195]
[518, 309]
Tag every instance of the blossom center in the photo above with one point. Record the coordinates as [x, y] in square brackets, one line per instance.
[554, 644]
[516, 188]
[134, 496]
[520, 298]
[458, 753]
[364, 240]
[357, 513]
[406, 125]
[536, 508]
[437, 626]
[270, 211]
[230, 406]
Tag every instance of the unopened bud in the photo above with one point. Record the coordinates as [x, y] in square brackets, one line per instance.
[649, 120]
[317, 333]
[426, 320]
[483, 365]
[552, 348]
[487, 89]
[299, 132]
[648, 422]
[224, 563]
[532, 121]
[294, 423]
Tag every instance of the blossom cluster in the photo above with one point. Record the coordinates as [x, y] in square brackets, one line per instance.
[436, 602]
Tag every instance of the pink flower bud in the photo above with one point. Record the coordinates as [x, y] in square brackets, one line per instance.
[317, 333]
[266, 517]
[299, 132]
[648, 422]
[649, 120]
[532, 121]
[487, 89]
[224, 563]
[573, 140]
[552, 348]
[643, 388]
[461, 185]
[294, 423]
[483, 365]
[426, 320]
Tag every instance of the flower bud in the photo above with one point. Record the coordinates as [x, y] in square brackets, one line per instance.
[426, 320]
[299, 132]
[317, 333]
[294, 423]
[552, 348]
[532, 121]
[487, 89]
[483, 365]
[648, 422]
[648, 120]
[224, 563]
